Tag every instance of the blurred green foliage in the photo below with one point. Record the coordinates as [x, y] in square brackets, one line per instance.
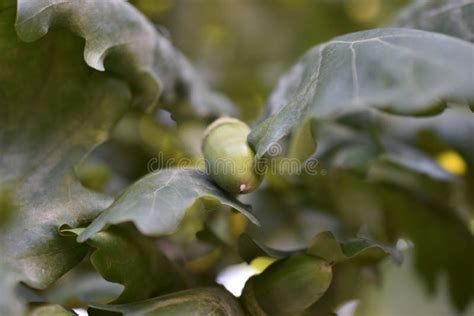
[7, 204]
[242, 47]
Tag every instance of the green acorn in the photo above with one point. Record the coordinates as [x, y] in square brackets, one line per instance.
[229, 159]
[287, 287]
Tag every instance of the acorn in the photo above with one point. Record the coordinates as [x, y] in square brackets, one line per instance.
[229, 159]
[288, 286]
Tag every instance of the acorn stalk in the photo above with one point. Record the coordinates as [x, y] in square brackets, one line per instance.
[287, 287]
[229, 160]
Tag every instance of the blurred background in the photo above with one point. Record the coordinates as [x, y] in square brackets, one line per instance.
[242, 47]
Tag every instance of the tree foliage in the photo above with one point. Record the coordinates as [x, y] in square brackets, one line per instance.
[384, 113]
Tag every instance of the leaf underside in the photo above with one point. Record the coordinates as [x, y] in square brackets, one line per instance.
[146, 272]
[453, 18]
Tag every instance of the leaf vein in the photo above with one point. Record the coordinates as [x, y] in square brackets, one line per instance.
[413, 53]
[355, 78]
[41, 11]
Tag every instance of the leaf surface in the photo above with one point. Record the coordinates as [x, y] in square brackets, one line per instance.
[125, 256]
[401, 71]
[49, 310]
[44, 132]
[362, 249]
[453, 18]
[118, 38]
[326, 246]
[250, 249]
[55, 108]
[158, 202]
[199, 302]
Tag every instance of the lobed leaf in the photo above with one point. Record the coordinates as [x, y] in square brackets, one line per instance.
[49, 310]
[343, 147]
[82, 287]
[417, 211]
[44, 132]
[158, 202]
[453, 18]
[199, 301]
[362, 249]
[401, 71]
[118, 38]
[54, 109]
[287, 286]
[453, 127]
[125, 256]
[250, 249]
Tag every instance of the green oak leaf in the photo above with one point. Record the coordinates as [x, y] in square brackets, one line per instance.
[55, 108]
[158, 202]
[455, 18]
[415, 210]
[53, 111]
[80, 287]
[450, 131]
[207, 235]
[125, 256]
[250, 249]
[287, 286]
[344, 147]
[362, 249]
[453, 127]
[118, 38]
[324, 245]
[401, 71]
[207, 301]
